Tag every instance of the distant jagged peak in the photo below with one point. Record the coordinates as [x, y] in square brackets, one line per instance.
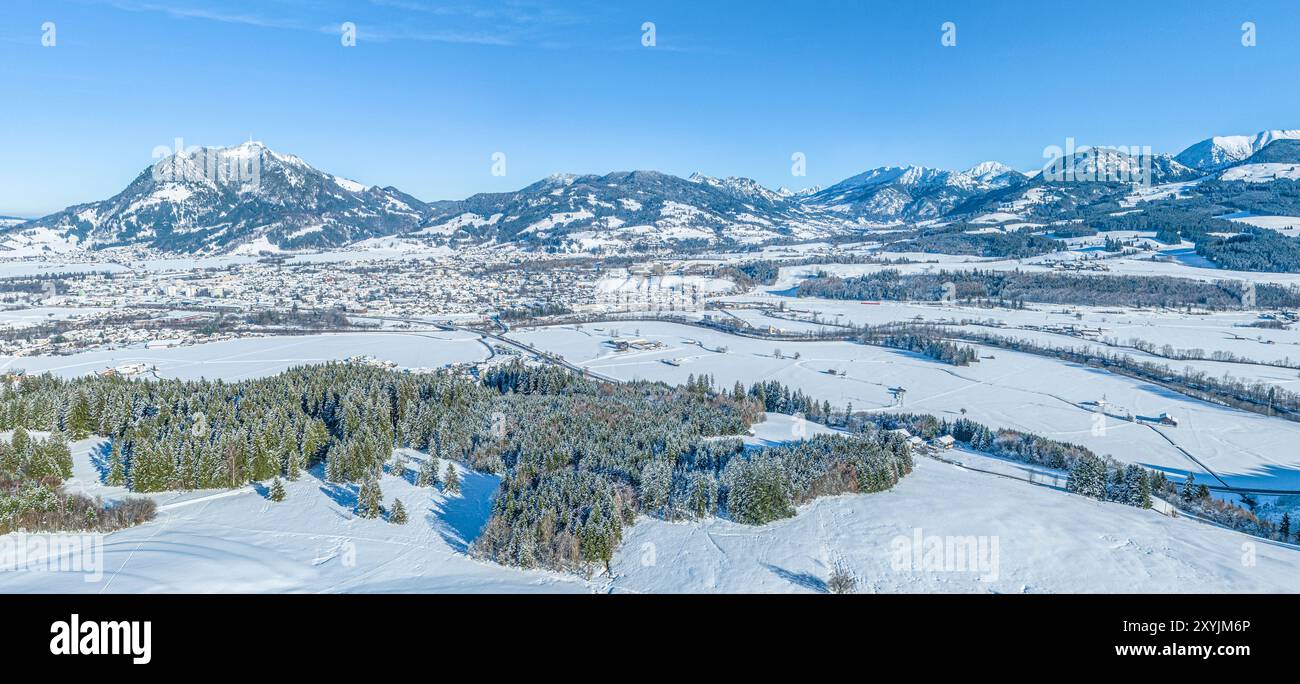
[1221, 151]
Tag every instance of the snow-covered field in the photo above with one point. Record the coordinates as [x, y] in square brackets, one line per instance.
[1227, 332]
[1005, 389]
[1287, 225]
[1143, 265]
[260, 356]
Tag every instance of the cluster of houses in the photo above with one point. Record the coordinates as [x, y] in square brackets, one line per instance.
[371, 361]
[127, 370]
[1080, 265]
[1280, 316]
[639, 344]
[924, 446]
[465, 369]
[1083, 331]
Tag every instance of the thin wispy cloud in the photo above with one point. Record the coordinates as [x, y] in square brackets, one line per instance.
[509, 23]
[367, 33]
[190, 12]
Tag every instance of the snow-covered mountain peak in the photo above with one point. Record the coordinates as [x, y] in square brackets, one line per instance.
[744, 188]
[897, 175]
[988, 170]
[217, 198]
[1222, 151]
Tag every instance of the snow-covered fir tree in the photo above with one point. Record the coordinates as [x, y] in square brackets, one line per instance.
[428, 474]
[277, 491]
[397, 515]
[370, 499]
[451, 480]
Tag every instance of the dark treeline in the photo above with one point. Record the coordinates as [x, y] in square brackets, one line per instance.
[955, 239]
[1166, 220]
[778, 398]
[1280, 197]
[1100, 477]
[1013, 288]
[1072, 231]
[32, 471]
[295, 318]
[534, 310]
[1255, 249]
[922, 339]
[765, 271]
[751, 273]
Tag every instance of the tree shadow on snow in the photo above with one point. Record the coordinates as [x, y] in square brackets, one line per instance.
[806, 580]
[463, 516]
[99, 459]
[410, 475]
[343, 495]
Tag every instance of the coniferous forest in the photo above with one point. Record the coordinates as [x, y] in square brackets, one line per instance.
[579, 458]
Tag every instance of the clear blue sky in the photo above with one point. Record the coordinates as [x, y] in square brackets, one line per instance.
[433, 89]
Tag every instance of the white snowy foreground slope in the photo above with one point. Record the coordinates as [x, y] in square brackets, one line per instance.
[240, 541]
[1038, 540]
[1046, 541]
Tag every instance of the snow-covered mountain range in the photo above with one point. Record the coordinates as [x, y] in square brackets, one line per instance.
[250, 198]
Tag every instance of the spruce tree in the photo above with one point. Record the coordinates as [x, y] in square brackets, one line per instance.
[451, 481]
[1138, 485]
[79, 422]
[277, 491]
[295, 465]
[370, 499]
[116, 466]
[398, 467]
[428, 476]
[20, 441]
[1088, 477]
[398, 514]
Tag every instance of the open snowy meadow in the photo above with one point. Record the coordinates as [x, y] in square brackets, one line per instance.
[1004, 389]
